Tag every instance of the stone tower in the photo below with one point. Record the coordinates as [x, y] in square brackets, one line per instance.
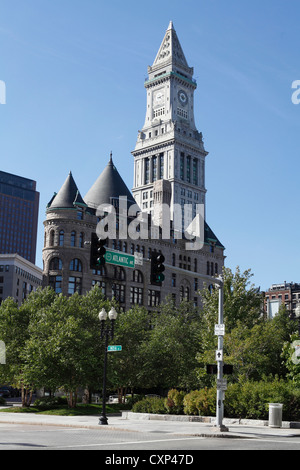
[169, 146]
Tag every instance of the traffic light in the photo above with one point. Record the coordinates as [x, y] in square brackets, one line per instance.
[157, 269]
[212, 369]
[97, 252]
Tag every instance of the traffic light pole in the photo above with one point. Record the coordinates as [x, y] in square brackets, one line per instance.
[219, 426]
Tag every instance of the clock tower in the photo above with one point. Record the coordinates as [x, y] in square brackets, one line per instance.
[169, 156]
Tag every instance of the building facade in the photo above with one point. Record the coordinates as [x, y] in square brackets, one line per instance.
[19, 206]
[286, 293]
[169, 168]
[18, 277]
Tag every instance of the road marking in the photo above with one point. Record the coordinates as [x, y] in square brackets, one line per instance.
[128, 443]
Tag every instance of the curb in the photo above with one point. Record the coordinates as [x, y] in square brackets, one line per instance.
[206, 419]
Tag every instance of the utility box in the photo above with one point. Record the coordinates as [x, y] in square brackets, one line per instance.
[275, 415]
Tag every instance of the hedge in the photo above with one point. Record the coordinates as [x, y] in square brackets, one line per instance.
[245, 400]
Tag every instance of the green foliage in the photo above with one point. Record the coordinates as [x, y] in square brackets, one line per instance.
[200, 402]
[150, 405]
[250, 399]
[174, 402]
[50, 403]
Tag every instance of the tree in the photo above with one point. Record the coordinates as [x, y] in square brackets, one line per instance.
[14, 331]
[170, 353]
[126, 368]
[63, 347]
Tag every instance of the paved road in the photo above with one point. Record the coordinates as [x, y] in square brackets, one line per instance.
[121, 442]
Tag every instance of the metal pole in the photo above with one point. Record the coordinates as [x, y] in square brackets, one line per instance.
[103, 418]
[219, 417]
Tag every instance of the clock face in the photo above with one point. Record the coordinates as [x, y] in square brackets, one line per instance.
[159, 98]
[182, 96]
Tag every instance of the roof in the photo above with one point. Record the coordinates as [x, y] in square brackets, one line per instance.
[170, 54]
[209, 236]
[67, 197]
[108, 188]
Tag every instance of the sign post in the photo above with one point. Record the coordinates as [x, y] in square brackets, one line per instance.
[219, 331]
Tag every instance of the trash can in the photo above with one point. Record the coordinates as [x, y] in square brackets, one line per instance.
[275, 415]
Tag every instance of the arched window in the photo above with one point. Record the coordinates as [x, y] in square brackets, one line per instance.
[81, 240]
[55, 264]
[73, 238]
[61, 238]
[137, 276]
[52, 235]
[119, 273]
[76, 265]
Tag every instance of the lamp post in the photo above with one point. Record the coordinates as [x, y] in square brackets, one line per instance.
[107, 331]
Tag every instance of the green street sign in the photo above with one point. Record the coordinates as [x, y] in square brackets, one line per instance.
[119, 258]
[114, 348]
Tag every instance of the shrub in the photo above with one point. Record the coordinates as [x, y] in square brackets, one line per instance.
[2, 401]
[174, 402]
[50, 403]
[150, 405]
[250, 400]
[201, 402]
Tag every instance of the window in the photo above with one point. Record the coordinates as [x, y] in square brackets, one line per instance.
[119, 273]
[55, 264]
[76, 265]
[61, 238]
[136, 295]
[161, 166]
[73, 238]
[137, 276]
[173, 281]
[173, 259]
[56, 283]
[100, 284]
[154, 168]
[101, 271]
[159, 112]
[153, 298]
[182, 166]
[52, 234]
[147, 170]
[74, 285]
[188, 169]
[195, 171]
[182, 113]
[81, 240]
[118, 292]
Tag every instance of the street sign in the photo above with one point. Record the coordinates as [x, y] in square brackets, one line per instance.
[219, 355]
[119, 258]
[222, 384]
[114, 348]
[220, 330]
[138, 257]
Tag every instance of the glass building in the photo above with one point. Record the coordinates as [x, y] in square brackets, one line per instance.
[19, 205]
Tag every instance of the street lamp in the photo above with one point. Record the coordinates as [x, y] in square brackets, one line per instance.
[107, 331]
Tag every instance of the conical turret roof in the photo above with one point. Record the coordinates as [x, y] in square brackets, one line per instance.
[107, 188]
[67, 197]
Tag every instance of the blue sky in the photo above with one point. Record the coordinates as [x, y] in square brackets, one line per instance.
[74, 72]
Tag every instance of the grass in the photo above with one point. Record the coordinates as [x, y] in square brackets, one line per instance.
[62, 410]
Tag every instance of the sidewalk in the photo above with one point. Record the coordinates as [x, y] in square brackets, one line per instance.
[157, 424]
